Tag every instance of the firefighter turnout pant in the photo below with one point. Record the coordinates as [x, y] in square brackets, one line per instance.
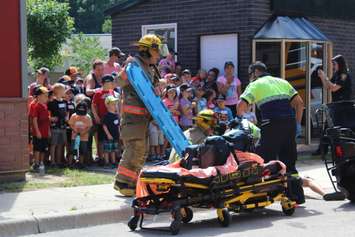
[134, 137]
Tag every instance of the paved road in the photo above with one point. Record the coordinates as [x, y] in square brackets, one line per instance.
[316, 218]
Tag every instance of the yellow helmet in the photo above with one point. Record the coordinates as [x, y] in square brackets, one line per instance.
[206, 119]
[152, 41]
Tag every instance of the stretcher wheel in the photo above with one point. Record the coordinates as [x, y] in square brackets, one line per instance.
[186, 214]
[224, 218]
[176, 223]
[133, 223]
[288, 211]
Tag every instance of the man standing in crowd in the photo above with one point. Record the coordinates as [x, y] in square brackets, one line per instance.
[281, 111]
[135, 117]
[112, 65]
[92, 81]
[41, 80]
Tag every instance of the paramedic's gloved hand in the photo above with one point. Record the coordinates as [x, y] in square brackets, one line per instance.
[298, 130]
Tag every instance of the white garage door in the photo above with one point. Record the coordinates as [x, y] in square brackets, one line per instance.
[217, 49]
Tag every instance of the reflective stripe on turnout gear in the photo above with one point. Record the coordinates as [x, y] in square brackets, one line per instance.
[131, 109]
[128, 173]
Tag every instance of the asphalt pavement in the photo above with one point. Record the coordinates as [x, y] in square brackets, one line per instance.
[316, 218]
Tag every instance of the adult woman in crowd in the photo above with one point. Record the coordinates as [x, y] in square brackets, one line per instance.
[230, 86]
[210, 82]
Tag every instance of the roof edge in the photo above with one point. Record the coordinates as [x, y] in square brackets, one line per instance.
[121, 6]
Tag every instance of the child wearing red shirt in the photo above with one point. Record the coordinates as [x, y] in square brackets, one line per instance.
[99, 110]
[40, 121]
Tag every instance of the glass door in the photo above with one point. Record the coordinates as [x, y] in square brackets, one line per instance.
[317, 97]
[296, 69]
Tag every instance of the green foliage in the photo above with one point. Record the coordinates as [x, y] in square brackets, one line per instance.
[49, 25]
[83, 50]
[89, 14]
[107, 26]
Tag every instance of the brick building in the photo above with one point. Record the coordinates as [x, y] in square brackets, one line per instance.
[191, 20]
[208, 33]
[13, 102]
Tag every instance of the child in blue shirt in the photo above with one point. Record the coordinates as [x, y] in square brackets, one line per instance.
[224, 114]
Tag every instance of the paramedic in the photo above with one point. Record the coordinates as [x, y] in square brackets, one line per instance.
[281, 111]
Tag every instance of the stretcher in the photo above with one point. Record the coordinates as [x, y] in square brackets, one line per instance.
[144, 88]
[241, 183]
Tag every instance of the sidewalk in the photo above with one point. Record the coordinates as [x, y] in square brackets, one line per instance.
[60, 208]
[65, 208]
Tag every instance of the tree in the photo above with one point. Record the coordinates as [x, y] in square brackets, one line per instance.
[49, 25]
[89, 14]
[107, 26]
[83, 50]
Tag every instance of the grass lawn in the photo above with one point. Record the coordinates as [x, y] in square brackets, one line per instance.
[58, 178]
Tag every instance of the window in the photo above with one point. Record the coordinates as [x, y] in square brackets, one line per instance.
[167, 31]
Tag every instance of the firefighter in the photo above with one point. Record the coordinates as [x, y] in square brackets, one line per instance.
[281, 112]
[135, 118]
[205, 124]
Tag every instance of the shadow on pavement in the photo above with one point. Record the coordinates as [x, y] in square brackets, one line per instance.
[348, 206]
[259, 219]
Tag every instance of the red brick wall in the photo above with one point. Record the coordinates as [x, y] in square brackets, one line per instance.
[10, 48]
[13, 138]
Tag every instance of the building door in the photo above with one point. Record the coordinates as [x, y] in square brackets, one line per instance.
[217, 49]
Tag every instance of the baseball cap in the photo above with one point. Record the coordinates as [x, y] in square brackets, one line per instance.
[228, 63]
[107, 78]
[184, 87]
[170, 88]
[257, 65]
[39, 90]
[110, 99]
[174, 78]
[186, 71]
[116, 51]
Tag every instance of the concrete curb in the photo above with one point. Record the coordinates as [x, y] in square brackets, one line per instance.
[62, 221]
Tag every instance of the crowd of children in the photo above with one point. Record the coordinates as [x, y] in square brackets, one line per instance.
[66, 118]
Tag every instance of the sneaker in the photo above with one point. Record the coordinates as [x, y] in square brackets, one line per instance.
[336, 196]
[35, 167]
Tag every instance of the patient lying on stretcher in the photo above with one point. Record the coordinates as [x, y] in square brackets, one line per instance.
[215, 157]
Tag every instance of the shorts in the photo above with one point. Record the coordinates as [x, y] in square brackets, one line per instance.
[110, 146]
[83, 148]
[59, 136]
[40, 144]
[156, 136]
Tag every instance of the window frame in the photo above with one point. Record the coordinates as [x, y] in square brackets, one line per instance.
[145, 29]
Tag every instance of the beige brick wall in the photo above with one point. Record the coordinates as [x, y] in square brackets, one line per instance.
[13, 138]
